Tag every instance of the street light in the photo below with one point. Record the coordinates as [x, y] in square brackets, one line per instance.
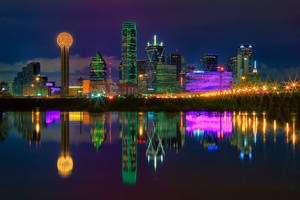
[221, 69]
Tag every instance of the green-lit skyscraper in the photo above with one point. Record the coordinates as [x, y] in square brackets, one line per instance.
[98, 69]
[128, 73]
[165, 79]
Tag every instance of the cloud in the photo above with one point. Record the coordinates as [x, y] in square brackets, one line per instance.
[77, 63]
[51, 67]
[279, 74]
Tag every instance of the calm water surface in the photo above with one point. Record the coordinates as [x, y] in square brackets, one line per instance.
[131, 155]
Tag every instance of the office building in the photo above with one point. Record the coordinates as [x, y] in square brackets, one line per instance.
[98, 69]
[166, 79]
[29, 82]
[128, 68]
[98, 73]
[210, 62]
[155, 53]
[231, 64]
[178, 60]
[244, 66]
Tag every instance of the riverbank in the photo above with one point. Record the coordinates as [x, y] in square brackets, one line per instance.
[270, 103]
[276, 106]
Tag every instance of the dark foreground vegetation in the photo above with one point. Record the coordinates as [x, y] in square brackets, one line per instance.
[277, 106]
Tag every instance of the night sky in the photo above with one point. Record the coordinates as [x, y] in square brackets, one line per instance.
[189, 27]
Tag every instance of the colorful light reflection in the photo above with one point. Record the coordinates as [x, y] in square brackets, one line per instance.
[52, 116]
[209, 122]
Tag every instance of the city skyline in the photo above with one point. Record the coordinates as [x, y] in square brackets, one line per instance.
[276, 44]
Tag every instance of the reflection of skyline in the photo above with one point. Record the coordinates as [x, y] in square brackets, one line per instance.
[129, 147]
[164, 131]
[209, 122]
[97, 130]
[160, 133]
[4, 127]
[245, 133]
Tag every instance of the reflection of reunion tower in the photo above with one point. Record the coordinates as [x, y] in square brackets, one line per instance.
[64, 40]
[65, 161]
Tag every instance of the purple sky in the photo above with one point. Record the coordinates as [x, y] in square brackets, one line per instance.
[191, 27]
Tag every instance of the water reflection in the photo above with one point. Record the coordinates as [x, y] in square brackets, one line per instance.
[65, 161]
[97, 130]
[4, 126]
[129, 128]
[158, 133]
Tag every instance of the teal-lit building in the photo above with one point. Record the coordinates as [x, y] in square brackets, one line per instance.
[128, 68]
[165, 79]
[98, 69]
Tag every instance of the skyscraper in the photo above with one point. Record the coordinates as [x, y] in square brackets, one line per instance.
[231, 64]
[245, 59]
[141, 65]
[166, 79]
[178, 60]
[244, 65]
[210, 62]
[155, 53]
[128, 72]
[98, 69]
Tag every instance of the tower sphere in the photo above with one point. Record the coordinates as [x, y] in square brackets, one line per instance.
[64, 39]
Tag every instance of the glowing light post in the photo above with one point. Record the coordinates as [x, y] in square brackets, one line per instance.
[64, 41]
[221, 70]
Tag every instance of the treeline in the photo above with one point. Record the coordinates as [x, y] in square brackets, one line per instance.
[276, 106]
[286, 103]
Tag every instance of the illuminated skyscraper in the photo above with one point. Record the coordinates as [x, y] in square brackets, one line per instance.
[244, 66]
[245, 59]
[166, 79]
[98, 69]
[210, 62]
[65, 41]
[155, 53]
[128, 73]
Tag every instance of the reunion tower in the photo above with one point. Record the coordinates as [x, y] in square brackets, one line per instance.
[65, 41]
